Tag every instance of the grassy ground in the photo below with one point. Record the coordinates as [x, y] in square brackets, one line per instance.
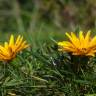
[43, 71]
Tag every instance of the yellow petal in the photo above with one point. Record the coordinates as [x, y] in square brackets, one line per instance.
[92, 42]
[4, 51]
[75, 40]
[73, 35]
[18, 39]
[6, 45]
[87, 38]
[72, 39]
[81, 38]
[68, 49]
[22, 46]
[18, 43]
[66, 46]
[69, 36]
[11, 42]
[65, 43]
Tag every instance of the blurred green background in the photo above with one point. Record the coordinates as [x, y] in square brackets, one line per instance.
[27, 15]
[43, 17]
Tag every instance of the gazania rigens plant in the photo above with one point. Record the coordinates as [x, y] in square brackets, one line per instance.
[80, 48]
[82, 45]
[11, 48]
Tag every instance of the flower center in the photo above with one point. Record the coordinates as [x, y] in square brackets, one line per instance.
[84, 50]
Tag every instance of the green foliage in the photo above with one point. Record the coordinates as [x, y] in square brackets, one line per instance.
[46, 72]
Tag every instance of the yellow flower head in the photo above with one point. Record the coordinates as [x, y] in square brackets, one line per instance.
[11, 48]
[81, 45]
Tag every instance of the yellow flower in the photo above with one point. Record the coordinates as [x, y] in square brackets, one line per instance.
[79, 45]
[11, 48]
